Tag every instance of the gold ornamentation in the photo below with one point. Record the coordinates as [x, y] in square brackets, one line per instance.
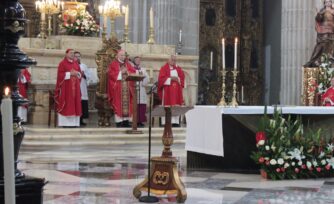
[15, 27]
[151, 36]
[310, 76]
[234, 102]
[161, 178]
[222, 100]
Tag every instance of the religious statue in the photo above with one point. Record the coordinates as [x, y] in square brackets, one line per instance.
[325, 35]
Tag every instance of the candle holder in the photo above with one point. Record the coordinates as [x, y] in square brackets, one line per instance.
[126, 34]
[179, 48]
[222, 100]
[234, 102]
[42, 25]
[12, 60]
[151, 36]
[49, 25]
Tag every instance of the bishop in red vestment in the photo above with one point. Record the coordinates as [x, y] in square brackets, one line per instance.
[327, 98]
[120, 91]
[23, 81]
[171, 83]
[67, 92]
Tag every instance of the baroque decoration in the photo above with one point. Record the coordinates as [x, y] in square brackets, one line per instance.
[229, 19]
[287, 150]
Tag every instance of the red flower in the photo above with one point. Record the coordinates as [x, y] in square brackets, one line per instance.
[278, 170]
[282, 169]
[260, 136]
[303, 166]
[328, 167]
[311, 168]
[297, 170]
[267, 162]
[318, 169]
[261, 160]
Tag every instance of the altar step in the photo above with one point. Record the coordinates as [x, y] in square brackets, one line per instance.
[44, 138]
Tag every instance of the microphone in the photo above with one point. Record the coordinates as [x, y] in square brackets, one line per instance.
[153, 88]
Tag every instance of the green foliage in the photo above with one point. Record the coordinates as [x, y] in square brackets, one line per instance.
[289, 153]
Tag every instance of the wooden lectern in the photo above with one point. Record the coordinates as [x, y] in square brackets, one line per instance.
[135, 78]
[164, 178]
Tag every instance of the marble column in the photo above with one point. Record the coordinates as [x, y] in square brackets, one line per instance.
[297, 43]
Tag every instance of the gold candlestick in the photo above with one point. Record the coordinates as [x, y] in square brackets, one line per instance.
[151, 37]
[222, 100]
[234, 102]
[49, 25]
[126, 34]
[42, 33]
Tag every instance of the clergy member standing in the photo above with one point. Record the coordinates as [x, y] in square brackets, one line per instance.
[83, 87]
[170, 85]
[120, 91]
[141, 93]
[67, 93]
[23, 82]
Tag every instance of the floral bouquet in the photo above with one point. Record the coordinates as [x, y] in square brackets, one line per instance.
[79, 23]
[325, 75]
[284, 151]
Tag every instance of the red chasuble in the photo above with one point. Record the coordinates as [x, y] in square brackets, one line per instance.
[329, 94]
[120, 91]
[170, 94]
[23, 84]
[67, 93]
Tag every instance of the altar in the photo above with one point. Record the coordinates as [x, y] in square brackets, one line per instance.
[224, 137]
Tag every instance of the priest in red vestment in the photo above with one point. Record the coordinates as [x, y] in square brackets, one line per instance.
[23, 81]
[327, 98]
[170, 85]
[120, 91]
[67, 92]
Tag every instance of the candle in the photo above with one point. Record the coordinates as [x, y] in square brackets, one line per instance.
[8, 147]
[235, 53]
[223, 52]
[100, 9]
[151, 18]
[211, 59]
[126, 15]
[42, 16]
[180, 36]
[242, 94]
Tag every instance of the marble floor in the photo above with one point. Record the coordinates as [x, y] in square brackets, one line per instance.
[107, 175]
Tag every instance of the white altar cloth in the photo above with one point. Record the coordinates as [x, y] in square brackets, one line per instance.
[205, 130]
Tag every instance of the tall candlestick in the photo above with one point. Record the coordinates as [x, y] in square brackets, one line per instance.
[211, 59]
[151, 18]
[235, 53]
[126, 15]
[8, 147]
[223, 52]
[42, 16]
[180, 36]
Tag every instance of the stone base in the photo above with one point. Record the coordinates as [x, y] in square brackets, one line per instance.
[29, 190]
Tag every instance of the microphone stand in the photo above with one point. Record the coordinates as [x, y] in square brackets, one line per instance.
[149, 198]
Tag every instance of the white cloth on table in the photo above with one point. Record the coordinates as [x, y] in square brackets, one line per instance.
[205, 131]
[68, 121]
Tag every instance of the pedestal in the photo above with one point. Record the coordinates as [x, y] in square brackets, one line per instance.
[164, 176]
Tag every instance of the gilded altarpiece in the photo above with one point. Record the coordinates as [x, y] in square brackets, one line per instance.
[230, 19]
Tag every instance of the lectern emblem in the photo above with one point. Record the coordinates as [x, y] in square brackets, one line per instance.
[160, 178]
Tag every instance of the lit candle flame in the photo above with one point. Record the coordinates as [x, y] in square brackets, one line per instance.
[236, 40]
[7, 91]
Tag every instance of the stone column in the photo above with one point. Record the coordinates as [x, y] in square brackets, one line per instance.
[298, 40]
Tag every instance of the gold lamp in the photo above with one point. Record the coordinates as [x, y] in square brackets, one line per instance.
[111, 9]
[47, 7]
